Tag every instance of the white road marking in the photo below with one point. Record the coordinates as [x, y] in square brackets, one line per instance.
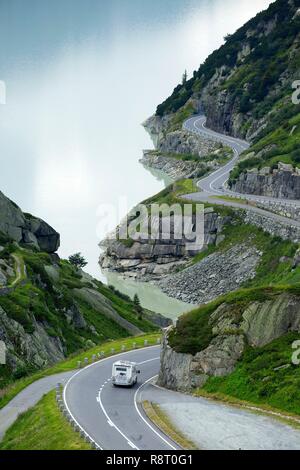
[149, 360]
[132, 445]
[114, 425]
[145, 421]
[79, 372]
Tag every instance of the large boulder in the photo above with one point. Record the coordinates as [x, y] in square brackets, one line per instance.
[256, 324]
[26, 229]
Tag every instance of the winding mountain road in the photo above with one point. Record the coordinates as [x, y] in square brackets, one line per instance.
[115, 420]
[215, 183]
[113, 417]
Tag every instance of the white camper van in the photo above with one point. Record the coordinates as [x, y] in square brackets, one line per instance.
[124, 373]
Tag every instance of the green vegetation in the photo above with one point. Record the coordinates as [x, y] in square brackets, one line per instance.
[193, 331]
[254, 85]
[260, 70]
[264, 376]
[278, 142]
[274, 275]
[48, 292]
[12, 389]
[275, 267]
[77, 260]
[43, 427]
[172, 194]
[222, 156]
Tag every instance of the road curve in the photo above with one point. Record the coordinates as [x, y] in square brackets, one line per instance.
[215, 183]
[113, 417]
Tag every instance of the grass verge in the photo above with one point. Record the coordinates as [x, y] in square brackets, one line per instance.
[43, 427]
[9, 392]
[264, 376]
[164, 423]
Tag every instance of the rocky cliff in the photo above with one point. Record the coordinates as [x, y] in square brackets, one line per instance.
[151, 259]
[215, 275]
[230, 329]
[282, 182]
[25, 229]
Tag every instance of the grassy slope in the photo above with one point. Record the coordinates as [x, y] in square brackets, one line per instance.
[274, 275]
[255, 380]
[12, 389]
[39, 297]
[43, 427]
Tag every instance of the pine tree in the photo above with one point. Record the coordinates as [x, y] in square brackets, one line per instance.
[77, 260]
[138, 307]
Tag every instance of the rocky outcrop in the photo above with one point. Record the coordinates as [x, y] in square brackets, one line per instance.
[179, 141]
[217, 274]
[175, 169]
[151, 259]
[284, 208]
[283, 182]
[179, 168]
[6, 272]
[26, 229]
[37, 348]
[157, 127]
[272, 226]
[257, 324]
[183, 142]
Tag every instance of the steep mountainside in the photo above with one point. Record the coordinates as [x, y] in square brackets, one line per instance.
[48, 308]
[245, 89]
[241, 344]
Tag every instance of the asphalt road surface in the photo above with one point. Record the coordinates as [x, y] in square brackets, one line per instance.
[114, 419]
[215, 183]
[113, 416]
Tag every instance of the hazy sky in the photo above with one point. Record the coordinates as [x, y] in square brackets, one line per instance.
[81, 76]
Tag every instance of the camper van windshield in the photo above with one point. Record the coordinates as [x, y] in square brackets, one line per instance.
[121, 369]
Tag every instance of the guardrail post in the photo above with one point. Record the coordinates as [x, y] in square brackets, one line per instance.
[158, 341]
[86, 361]
[94, 357]
[133, 345]
[112, 350]
[123, 347]
[146, 342]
